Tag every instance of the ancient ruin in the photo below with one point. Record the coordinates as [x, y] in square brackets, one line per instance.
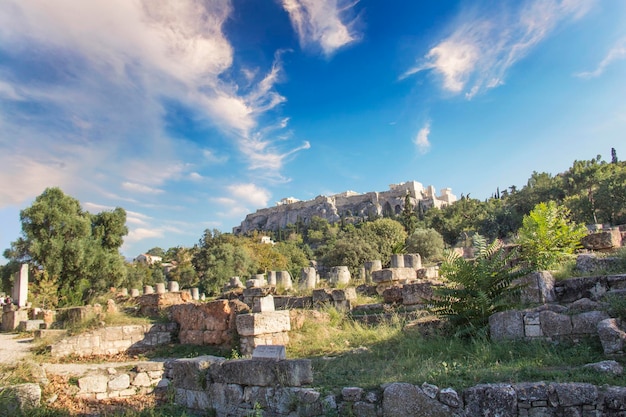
[349, 204]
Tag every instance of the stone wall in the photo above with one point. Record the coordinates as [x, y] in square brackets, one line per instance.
[114, 340]
[144, 378]
[594, 288]
[281, 388]
[211, 323]
[548, 322]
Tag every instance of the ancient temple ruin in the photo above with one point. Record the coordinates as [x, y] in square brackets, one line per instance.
[348, 204]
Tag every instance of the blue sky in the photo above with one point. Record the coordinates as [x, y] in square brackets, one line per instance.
[191, 114]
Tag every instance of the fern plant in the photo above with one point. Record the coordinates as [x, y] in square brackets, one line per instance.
[477, 288]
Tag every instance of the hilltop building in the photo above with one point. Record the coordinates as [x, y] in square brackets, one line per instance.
[348, 204]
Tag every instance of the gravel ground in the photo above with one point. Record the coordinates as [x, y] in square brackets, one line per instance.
[12, 350]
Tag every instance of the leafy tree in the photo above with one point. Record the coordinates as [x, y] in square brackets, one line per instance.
[184, 272]
[428, 243]
[547, 236]
[78, 251]
[384, 235]
[217, 257]
[156, 251]
[476, 288]
[409, 218]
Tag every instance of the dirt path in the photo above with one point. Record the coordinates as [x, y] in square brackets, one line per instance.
[12, 350]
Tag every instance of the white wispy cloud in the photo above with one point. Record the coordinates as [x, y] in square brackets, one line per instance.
[105, 67]
[140, 188]
[617, 52]
[250, 193]
[422, 141]
[484, 44]
[326, 23]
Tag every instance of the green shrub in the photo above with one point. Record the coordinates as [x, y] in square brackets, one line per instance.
[477, 288]
[547, 236]
[428, 243]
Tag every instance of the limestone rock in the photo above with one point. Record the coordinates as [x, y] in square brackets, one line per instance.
[555, 324]
[406, 400]
[607, 367]
[603, 240]
[573, 394]
[263, 373]
[24, 397]
[612, 336]
[506, 325]
[587, 322]
[491, 400]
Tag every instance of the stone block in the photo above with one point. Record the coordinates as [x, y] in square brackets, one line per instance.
[93, 384]
[119, 383]
[603, 240]
[506, 325]
[30, 325]
[190, 373]
[417, 293]
[263, 304]
[23, 398]
[283, 280]
[615, 398]
[339, 275]
[394, 274]
[555, 324]
[572, 289]
[575, 393]
[12, 318]
[587, 322]
[308, 278]
[352, 393]
[344, 294]
[393, 294]
[491, 400]
[413, 260]
[406, 400]
[537, 288]
[611, 336]
[322, 295]
[275, 352]
[263, 373]
[397, 261]
[263, 323]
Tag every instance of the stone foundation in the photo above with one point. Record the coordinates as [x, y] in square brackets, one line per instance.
[114, 340]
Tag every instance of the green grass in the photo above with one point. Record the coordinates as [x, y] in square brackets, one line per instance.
[346, 353]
